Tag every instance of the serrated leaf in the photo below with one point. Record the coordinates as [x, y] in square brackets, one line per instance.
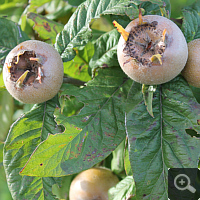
[78, 67]
[77, 31]
[24, 136]
[124, 190]
[11, 36]
[105, 50]
[157, 7]
[47, 29]
[159, 143]
[91, 135]
[191, 21]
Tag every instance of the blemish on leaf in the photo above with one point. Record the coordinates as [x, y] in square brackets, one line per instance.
[46, 26]
[133, 138]
[41, 164]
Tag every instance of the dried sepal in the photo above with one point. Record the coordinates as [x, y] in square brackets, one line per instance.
[121, 30]
[156, 57]
[20, 81]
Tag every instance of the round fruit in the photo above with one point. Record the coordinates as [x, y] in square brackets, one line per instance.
[92, 184]
[33, 72]
[152, 50]
[191, 72]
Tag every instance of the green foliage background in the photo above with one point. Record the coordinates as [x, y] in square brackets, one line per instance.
[105, 122]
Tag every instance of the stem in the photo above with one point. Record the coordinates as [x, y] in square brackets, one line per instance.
[73, 81]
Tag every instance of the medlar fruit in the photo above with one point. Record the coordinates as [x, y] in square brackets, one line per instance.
[152, 49]
[191, 72]
[33, 72]
[92, 184]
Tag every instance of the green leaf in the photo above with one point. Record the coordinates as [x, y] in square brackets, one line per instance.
[2, 86]
[157, 7]
[75, 2]
[105, 50]
[125, 189]
[191, 21]
[1, 153]
[78, 67]
[23, 138]
[69, 105]
[91, 135]
[77, 31]
[11, 36]
[58, 10]
[147, 91]
[162, 142]
[47, 29]
[117, 163]
[127, 164]
[63, 191]
[12, 10]
[38, 3]
[6, 113]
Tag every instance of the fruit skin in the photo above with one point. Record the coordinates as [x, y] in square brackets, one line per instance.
[92, 184]
[191, 72]
[173, 60]
[52, 69]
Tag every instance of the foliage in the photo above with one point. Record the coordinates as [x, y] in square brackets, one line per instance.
[137, 131]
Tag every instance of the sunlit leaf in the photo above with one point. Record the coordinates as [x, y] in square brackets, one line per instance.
[78, 67]
[24, 136]
[124, 190]
[38, 3]
[77, 31]
[127, 164]
[46, 28]
[117, 163]
[105, 50]
[162, 142]
[148, 91]
[91, 135]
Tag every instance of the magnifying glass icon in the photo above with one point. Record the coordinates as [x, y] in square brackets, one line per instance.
[182, 182]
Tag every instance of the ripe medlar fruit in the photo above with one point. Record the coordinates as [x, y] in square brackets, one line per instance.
[92, 184]
[191, 72]
[152, 49]
[33, 72]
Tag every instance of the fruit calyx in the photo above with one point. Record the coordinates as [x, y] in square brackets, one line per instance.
[145, 43]
[26, 69]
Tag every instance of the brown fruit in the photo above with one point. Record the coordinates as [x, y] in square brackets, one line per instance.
[152, 50]
[92, 184]
[191, 72]
[33, 72]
